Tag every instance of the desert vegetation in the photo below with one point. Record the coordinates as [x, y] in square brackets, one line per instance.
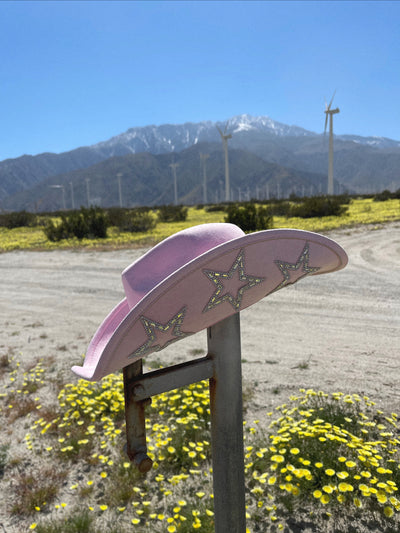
[122, 227]
[328, 459]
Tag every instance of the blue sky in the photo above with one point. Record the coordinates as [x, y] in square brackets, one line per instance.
[74, 73]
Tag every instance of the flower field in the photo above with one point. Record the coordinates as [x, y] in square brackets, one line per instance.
[361, 211]
[317, 459]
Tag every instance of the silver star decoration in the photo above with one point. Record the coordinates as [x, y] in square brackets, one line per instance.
[160, 335]
[287, 268]
[231, 284]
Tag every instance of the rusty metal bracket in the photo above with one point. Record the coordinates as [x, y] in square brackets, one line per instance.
[138, 390]
[172, 377]
[135, 420]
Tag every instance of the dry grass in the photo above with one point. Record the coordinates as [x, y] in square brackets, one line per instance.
[34, 489]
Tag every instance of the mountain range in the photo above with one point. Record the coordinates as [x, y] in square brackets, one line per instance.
[266, 158]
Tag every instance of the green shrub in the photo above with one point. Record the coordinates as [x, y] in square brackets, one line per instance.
[319, 206]
[215, 207]
[17, 219]
[88, 223]
[137, 220]
[55, 232]
[172, 213]
[116, 215]
[280, 208]
[383, 196]
[248, 217]
[96, 220]
[344, 199]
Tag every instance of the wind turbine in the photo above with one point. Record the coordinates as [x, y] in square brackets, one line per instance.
[87, 191]
[72, 195]
[329, 113]
[173, 166]
[203, 158]
[224, 137]
[61, 187]
[119, 175]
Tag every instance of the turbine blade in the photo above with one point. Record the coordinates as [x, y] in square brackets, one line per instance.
[220, 132]
[332, 99]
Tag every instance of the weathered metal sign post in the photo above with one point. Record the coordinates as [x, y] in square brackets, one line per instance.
[222, 367]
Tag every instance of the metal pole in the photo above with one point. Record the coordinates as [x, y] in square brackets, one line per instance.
[119, 188]
[87, 191]
[227, 186]
[173, 166]
[72, 195]
[227, 426]
[203, 158]
[330, 165]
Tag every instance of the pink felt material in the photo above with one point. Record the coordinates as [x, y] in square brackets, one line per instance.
[169, 255]
[196, 278]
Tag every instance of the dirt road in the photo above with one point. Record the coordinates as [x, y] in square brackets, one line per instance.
[334, 332]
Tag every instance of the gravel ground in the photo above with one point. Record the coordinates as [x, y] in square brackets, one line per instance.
[336, 331]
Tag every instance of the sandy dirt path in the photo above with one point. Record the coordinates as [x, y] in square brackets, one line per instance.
[339, 331]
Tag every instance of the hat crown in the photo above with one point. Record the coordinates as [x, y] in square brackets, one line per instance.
[171, 254]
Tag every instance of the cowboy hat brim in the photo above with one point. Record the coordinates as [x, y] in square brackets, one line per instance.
[218, 283]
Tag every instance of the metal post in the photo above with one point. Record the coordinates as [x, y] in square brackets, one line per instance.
[119, 188]
[87, 191]
[173, 166]
[222, 366]
[330, 161]
[227, 426]
[203, 158]
[227, 185]
[72, 195]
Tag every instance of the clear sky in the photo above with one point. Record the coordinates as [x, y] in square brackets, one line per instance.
[74, 73]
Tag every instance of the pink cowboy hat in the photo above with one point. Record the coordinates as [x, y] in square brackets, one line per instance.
[196, 278]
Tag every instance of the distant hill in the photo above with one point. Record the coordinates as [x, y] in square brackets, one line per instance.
[146, 179]
[361, 164]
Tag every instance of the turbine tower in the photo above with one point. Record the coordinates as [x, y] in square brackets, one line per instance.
[224, 137]
[61, 187]
[119, 175]
[173, 166]
[204, 158]
[329, 113]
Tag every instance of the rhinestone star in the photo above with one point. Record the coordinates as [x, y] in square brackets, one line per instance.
[231, 284]
[287, 268]
[161, 335]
